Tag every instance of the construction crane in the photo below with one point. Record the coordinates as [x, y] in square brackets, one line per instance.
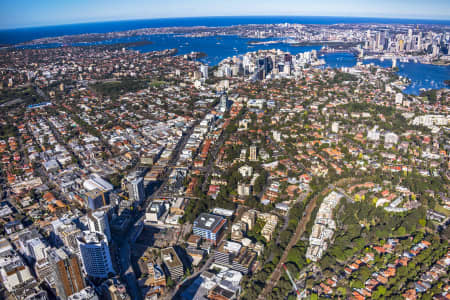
[292, 281]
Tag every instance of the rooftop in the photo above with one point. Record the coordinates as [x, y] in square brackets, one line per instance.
[208, 221]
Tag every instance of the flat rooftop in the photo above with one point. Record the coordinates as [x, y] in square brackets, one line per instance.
[208, 221]
[170, 258]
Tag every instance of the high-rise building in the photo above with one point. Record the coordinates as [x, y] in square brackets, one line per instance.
[401, 45]
[136, 190]
[223, 104]
[98, 222]
[67, 273]
[204, 71]
[378, 36]
[94, 252]
[253, 153]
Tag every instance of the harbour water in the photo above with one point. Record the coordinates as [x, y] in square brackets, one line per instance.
[217, 48]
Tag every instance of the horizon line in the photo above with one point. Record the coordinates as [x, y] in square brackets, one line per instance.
[223, 16]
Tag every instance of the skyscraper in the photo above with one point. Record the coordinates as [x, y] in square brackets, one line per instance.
[223, 104]
[204, 71]
[253, 152]
[136, 190]
[98, 222]
[67, 273]
[94, 252]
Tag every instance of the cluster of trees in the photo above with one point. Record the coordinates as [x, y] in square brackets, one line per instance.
[253, 285]
[361, 223]
[27, 95]
[116, 88]
[7, 130]
[341, 76]
[431, 96]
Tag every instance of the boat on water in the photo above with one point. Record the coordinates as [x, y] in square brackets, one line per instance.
[217, 43]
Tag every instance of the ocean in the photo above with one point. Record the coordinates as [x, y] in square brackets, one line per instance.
[218, 48]
[15, 36]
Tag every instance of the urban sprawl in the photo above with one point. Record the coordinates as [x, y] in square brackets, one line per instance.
[128, 175]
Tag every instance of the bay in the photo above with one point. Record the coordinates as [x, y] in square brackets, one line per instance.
[422, 76]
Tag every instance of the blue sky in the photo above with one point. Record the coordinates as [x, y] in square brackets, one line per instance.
[24, 13]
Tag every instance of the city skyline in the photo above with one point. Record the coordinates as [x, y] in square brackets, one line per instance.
[25, 13]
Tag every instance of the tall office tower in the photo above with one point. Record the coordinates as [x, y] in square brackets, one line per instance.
[94, 252]
[67, 273]
[253, 153]
[401, 45]
[410, 33]
[98, 222]
[204, 71]
[378, 44]
[223, 104]
[136, 190]
[394, 62]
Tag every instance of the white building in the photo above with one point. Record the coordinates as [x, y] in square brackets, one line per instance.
[37, 249]
[390, 138]
[96, 182]
[136, 190]
[276, 136]
[244, 189]
[335, 127]
[373, 134]
[204, 71]
[398, 99]
[13, 271]
[431, 120]
[86, 294]
[246, 171]
[98, 222]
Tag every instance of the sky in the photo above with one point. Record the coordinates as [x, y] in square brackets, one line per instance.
[29, 13]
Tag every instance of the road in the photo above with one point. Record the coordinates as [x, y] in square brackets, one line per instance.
[124, 259]
[173, 295]
[126, 269]
[209, 168]
[173, 161]
[240, 211]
